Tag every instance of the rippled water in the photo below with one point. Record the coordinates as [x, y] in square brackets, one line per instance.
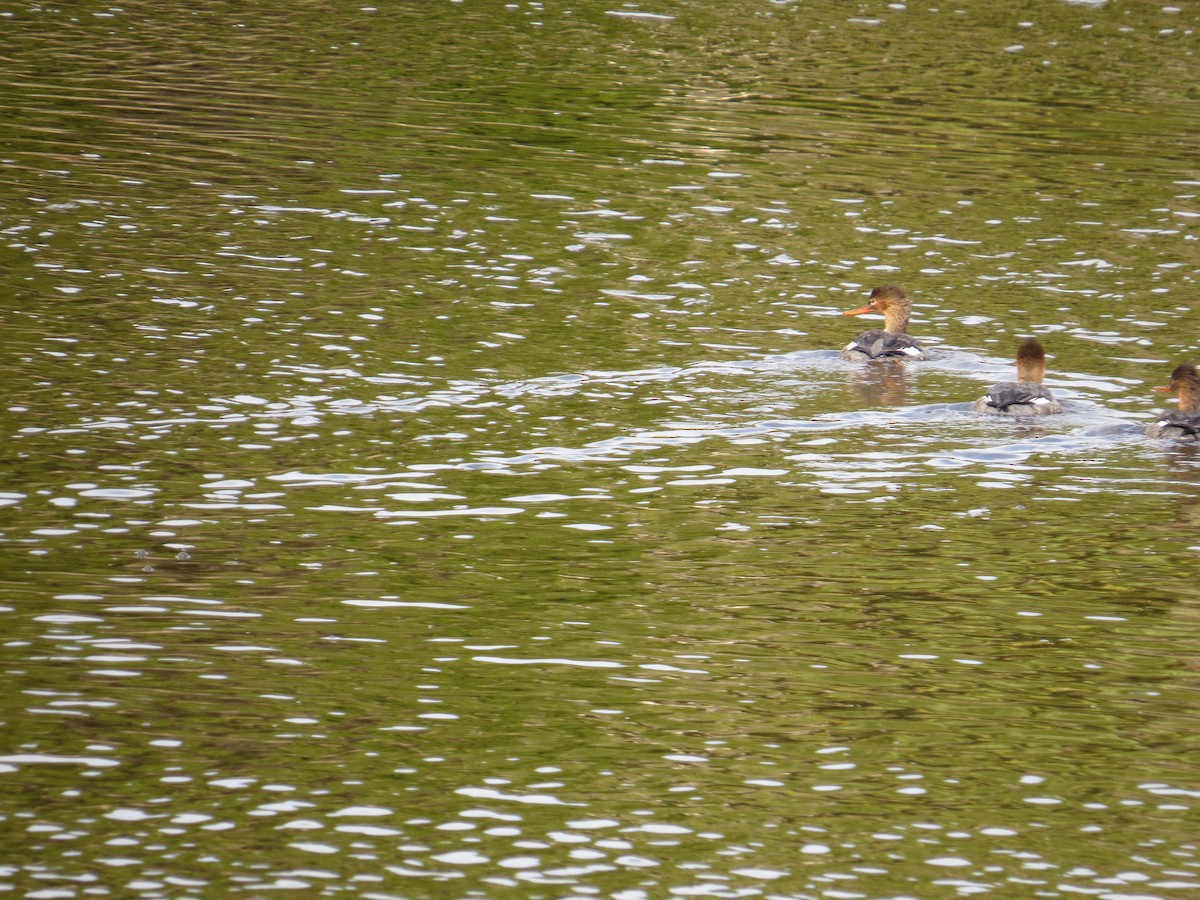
[428, 470]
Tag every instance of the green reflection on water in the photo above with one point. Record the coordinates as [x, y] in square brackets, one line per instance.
[418, 443]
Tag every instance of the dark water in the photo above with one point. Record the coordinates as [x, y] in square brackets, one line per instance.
[428, 472]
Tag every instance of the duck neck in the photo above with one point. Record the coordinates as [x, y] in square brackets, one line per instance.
[895, 320]
[1189, 395]
[1031, 370]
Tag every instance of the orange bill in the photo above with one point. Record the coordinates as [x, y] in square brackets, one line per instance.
[858, 312]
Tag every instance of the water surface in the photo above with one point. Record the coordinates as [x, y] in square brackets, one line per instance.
[428, 472]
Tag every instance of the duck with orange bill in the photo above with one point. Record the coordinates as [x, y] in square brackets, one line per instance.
[1181, 424]
[1026, 396]
[893, 304]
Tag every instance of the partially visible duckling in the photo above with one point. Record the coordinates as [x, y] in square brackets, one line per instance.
[1181, 424]
[1026, 396]
[895, 307]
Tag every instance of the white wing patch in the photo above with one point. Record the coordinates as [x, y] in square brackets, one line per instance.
[911, 351]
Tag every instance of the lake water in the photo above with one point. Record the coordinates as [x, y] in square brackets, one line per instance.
[427, 470]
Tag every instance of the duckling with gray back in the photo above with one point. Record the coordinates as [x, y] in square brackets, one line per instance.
[893, 304]
[1026, 396]
[1181, 424]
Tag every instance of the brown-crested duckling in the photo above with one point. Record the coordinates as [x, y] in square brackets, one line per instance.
[1026, 396]
[893, 304]
[1181, 424]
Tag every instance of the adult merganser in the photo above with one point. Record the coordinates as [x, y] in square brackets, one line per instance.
[1026, 396]
[1182, 424]
[895, 307]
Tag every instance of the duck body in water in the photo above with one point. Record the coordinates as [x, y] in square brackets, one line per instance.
[1181, 424]
[893, 304]
[1026, 396]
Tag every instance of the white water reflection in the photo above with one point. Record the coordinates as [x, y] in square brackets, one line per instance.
[420, 480]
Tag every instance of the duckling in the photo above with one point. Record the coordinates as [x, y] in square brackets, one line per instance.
[894, 305]
[1181, 424]
[1026, 396]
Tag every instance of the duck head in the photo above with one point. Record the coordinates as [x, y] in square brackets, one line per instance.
[1185, 382]
[1031, 361]
[892, 303]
